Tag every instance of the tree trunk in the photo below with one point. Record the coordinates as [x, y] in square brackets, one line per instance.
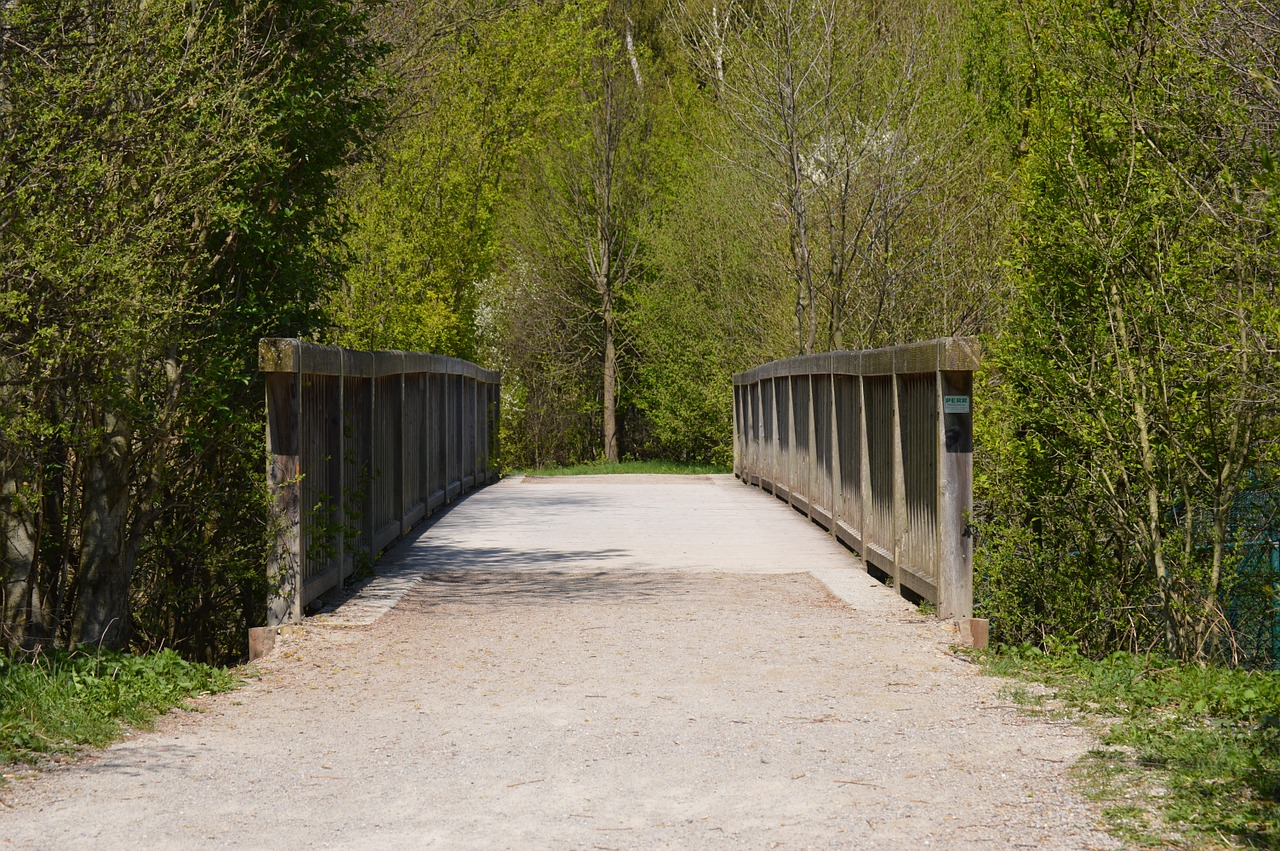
[718, 29]
[807, 318]
[1171, 597]
[108, 550]
[18, 544]
[605, 271]
[610, 386]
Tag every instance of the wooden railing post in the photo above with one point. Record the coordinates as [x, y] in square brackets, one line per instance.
[478, 412]
[738, 448]
[339, 464]
[367, 417]
[811, 461]
[899, 484]
[790, 478]
[284, 561]
[955, 493]
[834, 418]
[497, 427]
[866, 506]
[405, 454]
[452, 479]
[769, 416]
[473, 432]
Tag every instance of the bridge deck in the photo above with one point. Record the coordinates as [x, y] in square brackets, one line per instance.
[591, 524]
[593, 663]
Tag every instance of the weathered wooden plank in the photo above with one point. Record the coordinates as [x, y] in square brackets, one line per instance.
[959, 354]
[319, 360]
[278, 355]
[877, 362]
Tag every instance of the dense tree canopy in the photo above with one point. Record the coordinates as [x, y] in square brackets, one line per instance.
[628, 209]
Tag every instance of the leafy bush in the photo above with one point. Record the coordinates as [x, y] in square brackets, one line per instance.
[168, 172]
[1131, 404]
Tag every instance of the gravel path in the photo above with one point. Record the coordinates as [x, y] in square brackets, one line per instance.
[567, 668]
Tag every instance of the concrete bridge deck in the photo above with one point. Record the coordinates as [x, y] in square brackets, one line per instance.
[617, 662]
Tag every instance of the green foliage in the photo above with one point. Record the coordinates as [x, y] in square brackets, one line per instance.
[166, 170]
[573, 249]
[59, 701]
[708, 309]
[582, 196]
[620, 204]
[200, 582]
[1132, 389]
[999, 70]
[685, 381]
[1208, 736]
[423, 211]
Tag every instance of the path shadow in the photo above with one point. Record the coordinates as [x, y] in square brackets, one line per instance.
[443, 556]
[549, 504]
[440, 588]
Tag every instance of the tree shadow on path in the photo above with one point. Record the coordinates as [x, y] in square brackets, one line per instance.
[440, 588]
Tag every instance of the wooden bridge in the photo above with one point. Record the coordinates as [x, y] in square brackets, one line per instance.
[877, 448]
[873, 446]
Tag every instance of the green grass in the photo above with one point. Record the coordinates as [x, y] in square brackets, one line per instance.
[1189, 755]
[58, 702]
[628, 467]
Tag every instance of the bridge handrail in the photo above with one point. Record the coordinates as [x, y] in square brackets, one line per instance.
[361, 446]
[882, 455]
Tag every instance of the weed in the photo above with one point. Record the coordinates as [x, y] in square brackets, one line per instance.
[1190, 753]
[58, 701]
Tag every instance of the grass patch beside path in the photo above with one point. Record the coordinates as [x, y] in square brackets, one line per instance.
[58, 702]
[624, 467]
[1189, 755]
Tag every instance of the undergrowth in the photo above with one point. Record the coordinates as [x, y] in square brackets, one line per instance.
[1190, 756]
[58, 701]
[624, 467]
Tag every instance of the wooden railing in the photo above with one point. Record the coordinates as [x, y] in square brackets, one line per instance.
[360, 447]
[877, 448]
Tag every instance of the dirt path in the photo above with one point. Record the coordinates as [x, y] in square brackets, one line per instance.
[586, 679]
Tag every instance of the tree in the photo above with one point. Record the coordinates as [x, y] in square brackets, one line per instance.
[854, 119]
[477, 85]
[580, 210]
[1137, 375]
[165, 173]
[710, 304]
